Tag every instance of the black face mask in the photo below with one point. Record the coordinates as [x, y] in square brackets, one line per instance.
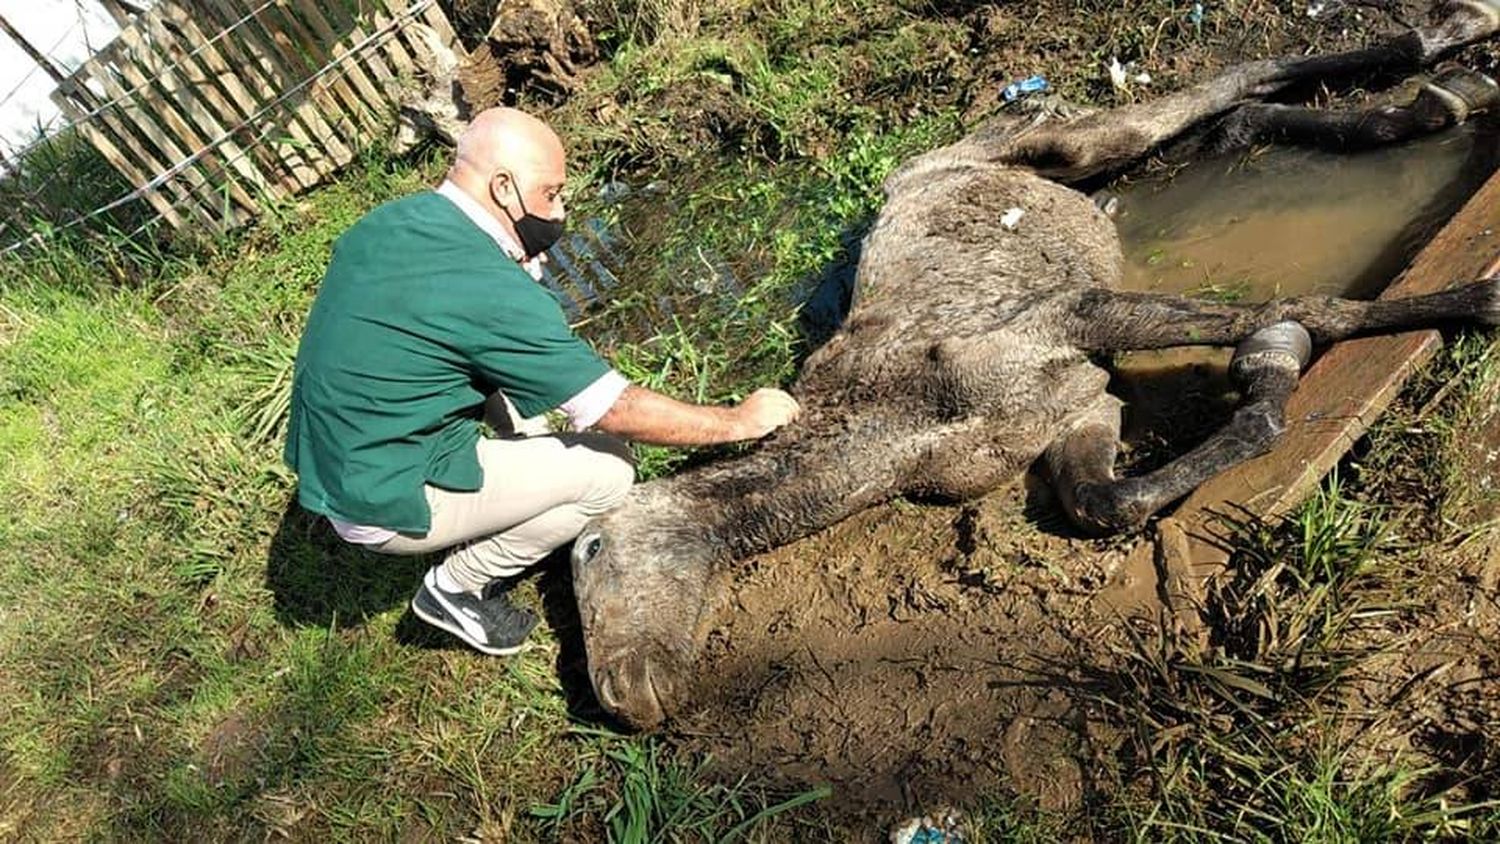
[537, 234]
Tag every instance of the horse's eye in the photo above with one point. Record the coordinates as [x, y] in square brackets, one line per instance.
[587, 548]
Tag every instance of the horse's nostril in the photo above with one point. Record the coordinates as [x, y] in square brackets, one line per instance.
[604, 684]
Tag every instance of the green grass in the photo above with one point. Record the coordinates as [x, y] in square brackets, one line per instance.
[185, 650]
[184, 654]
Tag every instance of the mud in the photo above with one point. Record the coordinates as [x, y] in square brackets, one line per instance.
[922, 655]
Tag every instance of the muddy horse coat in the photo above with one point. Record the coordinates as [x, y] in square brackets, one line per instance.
[968, 354]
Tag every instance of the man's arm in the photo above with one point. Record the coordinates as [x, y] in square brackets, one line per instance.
[645, 416]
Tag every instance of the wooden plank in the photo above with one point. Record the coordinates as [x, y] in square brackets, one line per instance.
[264, 31]
[186, 141]
[210, 75]
[434, 17]
[329, 90]
[254, 69]
[191, 54]
[402, 34]
[234, 71]
[117, 159]
[138, 129]
[82, 107]
[389, 45]
[362, 95]
[118, 59]
[109, 123]
[369, 58]
[371, 104]
[222, 155]
[1338, 398]
[252, 40]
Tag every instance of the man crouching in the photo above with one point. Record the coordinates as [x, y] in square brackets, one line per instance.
[430, 308]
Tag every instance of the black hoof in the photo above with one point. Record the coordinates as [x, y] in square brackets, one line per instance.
[1285, 345]
[1488, 308]
[1462, 92]
[1489, 8]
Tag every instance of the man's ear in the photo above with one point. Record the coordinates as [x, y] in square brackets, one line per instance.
[502, 188]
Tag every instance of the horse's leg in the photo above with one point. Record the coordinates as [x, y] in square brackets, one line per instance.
[1082, 461]
[1112, 320]
[1103, 141]
[1448, 99]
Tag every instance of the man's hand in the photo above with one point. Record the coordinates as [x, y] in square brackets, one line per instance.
[645, 416]
[765, 410]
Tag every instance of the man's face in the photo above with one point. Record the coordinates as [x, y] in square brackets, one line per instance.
[540, 190]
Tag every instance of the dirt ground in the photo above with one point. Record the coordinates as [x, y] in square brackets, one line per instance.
[914, 656]
[920, 656]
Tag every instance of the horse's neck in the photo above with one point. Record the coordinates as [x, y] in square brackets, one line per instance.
[785, 490]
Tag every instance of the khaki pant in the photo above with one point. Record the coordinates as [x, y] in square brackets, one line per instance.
[538, 492]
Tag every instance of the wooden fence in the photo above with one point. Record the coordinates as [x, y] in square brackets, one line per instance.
[212, 108]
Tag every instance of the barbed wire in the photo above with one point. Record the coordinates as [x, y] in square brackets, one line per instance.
[36, 67]
[130, 92]
[390, 28]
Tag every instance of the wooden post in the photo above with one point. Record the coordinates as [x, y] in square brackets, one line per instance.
[122, 11]
[44, 62]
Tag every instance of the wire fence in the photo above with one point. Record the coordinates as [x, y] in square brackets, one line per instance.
[202, 131]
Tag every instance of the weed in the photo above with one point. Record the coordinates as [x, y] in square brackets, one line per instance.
[1213, 291]
[656, 797]
[1246, 738]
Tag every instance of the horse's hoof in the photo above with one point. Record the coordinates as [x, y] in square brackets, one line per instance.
[1462, 92]
[1489, 301]
[1285, 345]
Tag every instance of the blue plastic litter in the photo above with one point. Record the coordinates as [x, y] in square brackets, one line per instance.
[1195, 17]
[1030, 85]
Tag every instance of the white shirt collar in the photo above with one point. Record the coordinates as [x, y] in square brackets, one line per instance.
[490, 226]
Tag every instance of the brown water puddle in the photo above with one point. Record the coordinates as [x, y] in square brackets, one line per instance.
[1292, 221]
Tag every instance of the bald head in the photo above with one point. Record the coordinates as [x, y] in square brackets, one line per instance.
[509, 139]
[513, 164]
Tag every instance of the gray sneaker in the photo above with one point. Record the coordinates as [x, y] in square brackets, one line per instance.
[491, 624]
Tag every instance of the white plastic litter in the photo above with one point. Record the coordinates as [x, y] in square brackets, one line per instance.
[1116, 73]
[937, 828]
[1012, 218]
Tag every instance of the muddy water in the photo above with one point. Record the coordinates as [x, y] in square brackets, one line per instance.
[1282, 222]
[1293, 221]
